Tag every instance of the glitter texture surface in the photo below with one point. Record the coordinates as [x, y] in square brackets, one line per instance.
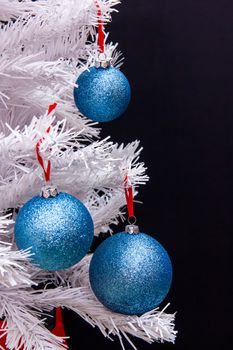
[58, 230]
[130, 273]
[103, 94]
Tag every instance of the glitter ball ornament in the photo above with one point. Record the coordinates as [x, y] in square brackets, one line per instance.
[58, 230]
[103, 94]
[130, 273]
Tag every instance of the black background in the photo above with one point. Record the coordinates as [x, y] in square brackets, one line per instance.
[179, 60]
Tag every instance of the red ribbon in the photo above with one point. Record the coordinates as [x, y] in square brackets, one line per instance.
[100, 29]
[59, 329]
[47, 171]
[129, 197]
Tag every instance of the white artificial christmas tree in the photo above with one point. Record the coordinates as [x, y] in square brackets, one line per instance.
[44, 47]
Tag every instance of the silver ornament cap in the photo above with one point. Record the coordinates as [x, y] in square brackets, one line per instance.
[49, 191]
[132, 229]
[102, 61]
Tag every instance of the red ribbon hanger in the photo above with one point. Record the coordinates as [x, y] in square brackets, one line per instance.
[101, 35]
[129, 197]
[47, 170]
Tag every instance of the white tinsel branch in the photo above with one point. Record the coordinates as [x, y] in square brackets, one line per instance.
[5, 221]
[13, 270]
[155, 325]
[54, 21]
[23, 326]
[40, 61]
[94, 173]
[10, 9]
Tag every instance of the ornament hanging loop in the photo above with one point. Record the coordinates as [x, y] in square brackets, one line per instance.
[132, 220]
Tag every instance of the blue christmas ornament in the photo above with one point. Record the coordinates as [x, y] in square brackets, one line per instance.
[130, 273]
[58, 229]
[103, 94]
